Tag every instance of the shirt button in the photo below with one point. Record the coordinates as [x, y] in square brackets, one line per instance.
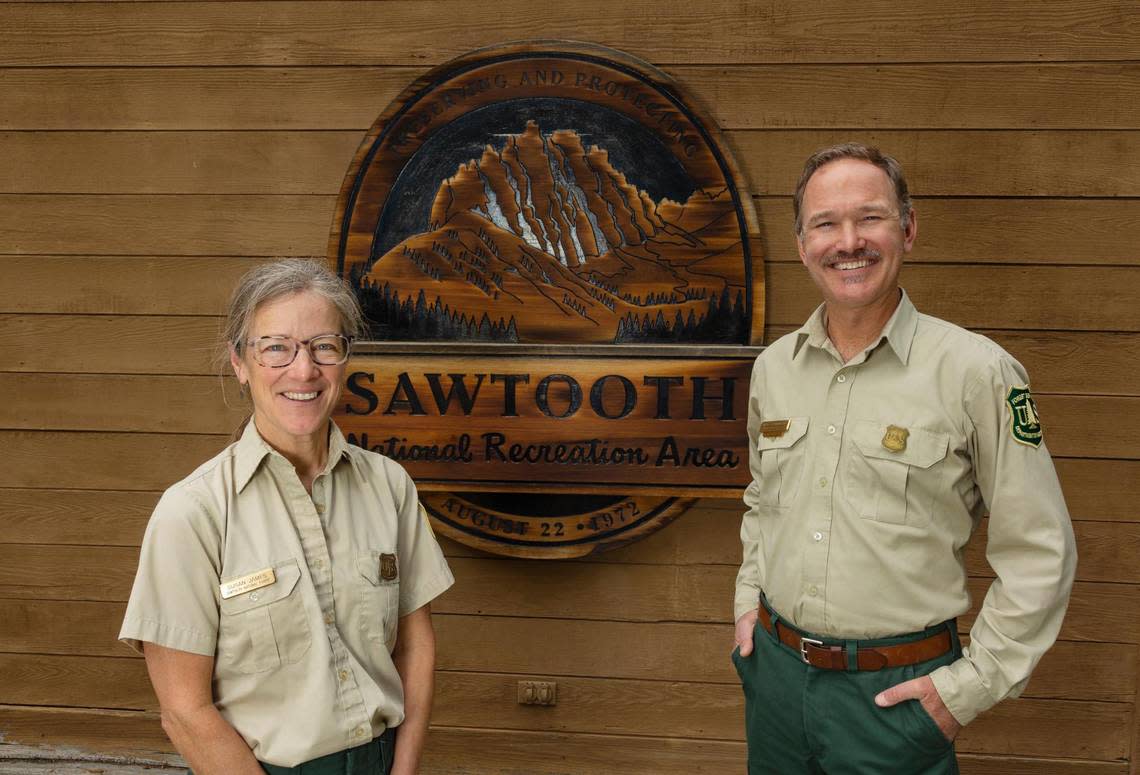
[813, 590]
[320, 509]
[329, 618]
[360, 732]
[841, 378]
[823, 481]
[343, 675]
[253, 596]
[831, 429]
[320, 563]
[818, 536]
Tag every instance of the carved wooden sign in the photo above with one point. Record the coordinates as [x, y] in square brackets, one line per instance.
[559, 268]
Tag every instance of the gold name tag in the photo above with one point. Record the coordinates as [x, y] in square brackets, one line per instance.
[774, 429]
[248, 583]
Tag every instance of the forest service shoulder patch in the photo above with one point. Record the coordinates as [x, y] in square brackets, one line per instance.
[1024, 423]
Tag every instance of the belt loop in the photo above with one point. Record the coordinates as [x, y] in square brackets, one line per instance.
[852, 656]
[955, 640]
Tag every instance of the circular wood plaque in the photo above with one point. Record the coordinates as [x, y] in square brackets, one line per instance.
[557, 199]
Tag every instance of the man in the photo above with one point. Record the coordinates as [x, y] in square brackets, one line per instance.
[879, 438]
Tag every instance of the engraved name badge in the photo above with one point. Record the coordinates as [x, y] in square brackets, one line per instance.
[248, 583]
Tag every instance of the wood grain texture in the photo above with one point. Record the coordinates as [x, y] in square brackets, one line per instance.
[166, 225]
[1021, 96]
[62, 760]
[124, 285]
[158, 404]
[937, 162]
[103, 461]
[1000, 231]
[109, 731]
[91, 682]
[102, 344]
[79, 517]
[308, 33]
[66, 628]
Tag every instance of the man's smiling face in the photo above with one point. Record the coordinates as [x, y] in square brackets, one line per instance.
[853, 242]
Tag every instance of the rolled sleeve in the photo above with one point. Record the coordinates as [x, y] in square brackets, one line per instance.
[174, 600]
[1030, 548]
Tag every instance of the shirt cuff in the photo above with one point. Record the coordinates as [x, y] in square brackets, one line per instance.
[426, 592]
[962, 690]
[747, 599]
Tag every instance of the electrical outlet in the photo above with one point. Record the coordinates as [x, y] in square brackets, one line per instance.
[538, 693]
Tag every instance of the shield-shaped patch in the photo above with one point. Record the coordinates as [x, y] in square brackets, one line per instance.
[1024, 423]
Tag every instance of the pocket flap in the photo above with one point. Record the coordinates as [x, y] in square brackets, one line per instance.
[286, 576]
[797, 427]
[923, 448]
[368, 564]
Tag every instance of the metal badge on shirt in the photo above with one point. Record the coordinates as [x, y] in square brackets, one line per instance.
[388, 568]
[248, 583]
[895, 438]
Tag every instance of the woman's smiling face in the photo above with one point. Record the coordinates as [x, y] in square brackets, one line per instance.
[292, 404]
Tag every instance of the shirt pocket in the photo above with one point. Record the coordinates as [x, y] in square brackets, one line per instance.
[782, 464]
[379, 598]
[896, 487]
[265, 628]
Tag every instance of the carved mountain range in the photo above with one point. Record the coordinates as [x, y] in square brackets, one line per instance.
[547, 240]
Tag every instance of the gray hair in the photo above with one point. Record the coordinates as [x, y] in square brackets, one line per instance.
[869, 153]
[283, 278]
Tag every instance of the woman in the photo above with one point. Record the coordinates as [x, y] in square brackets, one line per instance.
[282, 596]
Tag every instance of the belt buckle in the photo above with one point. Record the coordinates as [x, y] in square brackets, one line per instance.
[804, 643]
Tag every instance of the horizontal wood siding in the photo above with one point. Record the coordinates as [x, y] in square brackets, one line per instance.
[152, 152]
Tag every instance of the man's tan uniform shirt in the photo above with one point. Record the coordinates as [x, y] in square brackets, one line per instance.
[296, 597]
[869, 478]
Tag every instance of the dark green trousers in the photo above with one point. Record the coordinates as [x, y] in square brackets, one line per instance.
[802, 720]
[374, 758]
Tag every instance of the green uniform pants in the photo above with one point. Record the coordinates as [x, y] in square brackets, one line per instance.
[805, 720]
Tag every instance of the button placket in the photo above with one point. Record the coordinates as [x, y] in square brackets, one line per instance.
[822, 508]
[315, 547]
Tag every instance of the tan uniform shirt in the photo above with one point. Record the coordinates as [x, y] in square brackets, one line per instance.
[850, 536]
[303, 662]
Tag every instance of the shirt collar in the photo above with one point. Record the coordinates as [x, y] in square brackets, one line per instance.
[252, 449]
[899, 330]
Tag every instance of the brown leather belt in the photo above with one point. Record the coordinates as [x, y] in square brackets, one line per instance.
[816, 654]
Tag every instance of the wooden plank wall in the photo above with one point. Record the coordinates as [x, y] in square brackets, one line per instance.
[150, 152]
